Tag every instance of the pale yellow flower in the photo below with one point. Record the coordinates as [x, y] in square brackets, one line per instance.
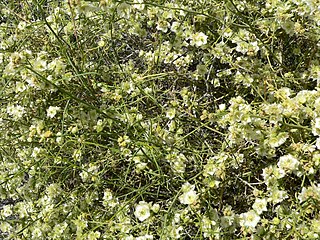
[249, 219]
[52, 111]
[142, 211]
[198, 39]
[189, 197]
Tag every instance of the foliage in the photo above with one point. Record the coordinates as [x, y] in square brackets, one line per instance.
[159, 119]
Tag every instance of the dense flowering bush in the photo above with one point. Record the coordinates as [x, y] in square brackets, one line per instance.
[160, 119]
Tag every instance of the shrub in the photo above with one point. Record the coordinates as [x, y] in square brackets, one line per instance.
[159, 119]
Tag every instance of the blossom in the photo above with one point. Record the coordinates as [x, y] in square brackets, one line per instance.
[20, 87]
[189, 197]
[139, 5]
[40, 65]
[142, 211]
[52, 111]
[277, 196]
[260, 205]
[318, 143]
[107, 195]
[316, 127]
[175, 232]
[163, 26]
[175, 26]
[317, 123]
[288, 163]
[94, 235]
[283, 93]
[198, 39]
[6, 211]
[171, 113]
[155, 208]
[309, 192]
[16, 111]
[277, 140]
[249, 219]
[145, 237]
